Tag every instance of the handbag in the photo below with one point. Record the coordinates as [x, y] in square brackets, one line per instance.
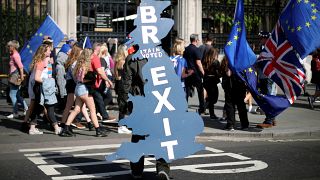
[14, 78]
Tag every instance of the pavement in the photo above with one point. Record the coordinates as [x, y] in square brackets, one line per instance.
[297, 121]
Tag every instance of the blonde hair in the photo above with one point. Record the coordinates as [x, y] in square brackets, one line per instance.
[104, 50]
[14, 44]
[83, 62]
[74, 55]
[178, 47]
[121, 56]
[39, 56]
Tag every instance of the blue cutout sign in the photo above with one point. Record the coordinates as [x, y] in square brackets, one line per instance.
[161, 115]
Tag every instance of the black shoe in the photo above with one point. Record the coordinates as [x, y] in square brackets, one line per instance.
[66, 132]
[229, 128]
[214, 117]
[90, 126]
[101, 132]
[62, 125]
[201, 111]
[25, 127]
[310, 100]
[244, 128]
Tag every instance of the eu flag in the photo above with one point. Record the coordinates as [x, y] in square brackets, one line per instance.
[47, 28]
[238, 51]
[241, 58]
[87, 43]
[271, 105]
[300, 21]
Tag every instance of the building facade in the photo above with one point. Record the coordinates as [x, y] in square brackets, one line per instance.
[103, 19]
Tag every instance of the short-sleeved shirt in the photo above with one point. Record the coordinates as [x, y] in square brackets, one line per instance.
[41, 66]
[15, 61]
[95, 64]
[179, 63]
[192, 54]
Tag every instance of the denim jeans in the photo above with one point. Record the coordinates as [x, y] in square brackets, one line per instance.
[15, 98]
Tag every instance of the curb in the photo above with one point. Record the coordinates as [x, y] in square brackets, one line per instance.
[267, 135]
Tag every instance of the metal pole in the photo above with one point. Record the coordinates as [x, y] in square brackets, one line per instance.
[32, 14]
[17, 21]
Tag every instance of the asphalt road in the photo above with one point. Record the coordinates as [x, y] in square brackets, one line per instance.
[84, 159]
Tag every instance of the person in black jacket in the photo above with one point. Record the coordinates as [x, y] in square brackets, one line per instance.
[315, 68]
[133, 82]
[211, 66]
[235, 92]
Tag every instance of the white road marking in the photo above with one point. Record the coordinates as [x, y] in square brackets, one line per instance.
[40, 155]
[72, 148]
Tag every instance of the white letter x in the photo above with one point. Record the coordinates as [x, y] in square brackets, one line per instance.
[163, 100]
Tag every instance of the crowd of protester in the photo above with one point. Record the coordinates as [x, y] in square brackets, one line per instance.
[78, 82]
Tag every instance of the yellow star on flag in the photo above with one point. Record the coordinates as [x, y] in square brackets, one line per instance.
[30, 51]
[40, 34]
[292, 30]
[36, 34]
[313, 5]
[308, 24]
[314, 17]
[238, 22]
[235, 38]
[299, 1]
[314, 11]
[250, 70]
[229, 43]
[306, 1]
[28, 46]
[299, 28]
[239, 29]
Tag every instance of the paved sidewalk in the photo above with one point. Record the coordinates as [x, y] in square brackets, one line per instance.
[298, 120]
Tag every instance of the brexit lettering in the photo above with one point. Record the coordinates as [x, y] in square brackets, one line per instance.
[147, 31]
[160, 116]
[163, 101]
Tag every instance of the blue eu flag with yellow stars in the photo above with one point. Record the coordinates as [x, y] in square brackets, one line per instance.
[300, 21]
[237, 49]
[241, 60]
[47, 28]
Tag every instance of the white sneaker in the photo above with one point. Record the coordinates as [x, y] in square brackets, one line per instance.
[124, 130]
[35, 131]
[57, 131]
[11, 116]
[163, 175]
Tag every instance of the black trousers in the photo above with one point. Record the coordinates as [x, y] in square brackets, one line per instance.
[121, 99]
[99, 103]
[213, 93]
[235, 97]
[197, 82]
[38, 109]
[137, 168]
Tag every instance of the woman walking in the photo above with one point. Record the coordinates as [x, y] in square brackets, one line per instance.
[16, 68]
[71, 86]
[211, 79]
[43, 89]
[85, 78]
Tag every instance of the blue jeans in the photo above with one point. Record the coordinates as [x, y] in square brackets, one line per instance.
[15, 98]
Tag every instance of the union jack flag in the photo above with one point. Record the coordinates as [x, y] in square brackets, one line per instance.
[280, 62]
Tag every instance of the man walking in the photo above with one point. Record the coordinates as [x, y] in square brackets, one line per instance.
[193, 57]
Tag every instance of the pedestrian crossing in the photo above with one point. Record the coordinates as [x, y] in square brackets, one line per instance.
[88, 162]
